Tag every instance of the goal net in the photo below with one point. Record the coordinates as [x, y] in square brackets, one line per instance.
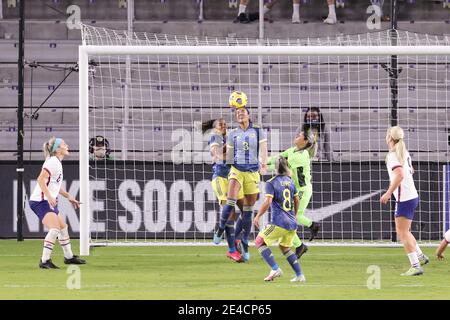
[147, 95]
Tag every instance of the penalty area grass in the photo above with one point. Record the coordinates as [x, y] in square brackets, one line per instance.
[203, 272]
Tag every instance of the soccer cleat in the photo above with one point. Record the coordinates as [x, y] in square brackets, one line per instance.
[274, 274]
[330, 20]
[314, 230]
[217, 239]
[300, 278]
[423, 259]
[301, 250]
[413, 271]
[47, 264]
[253, 16]
[246, 256]
[235, 256]
[243, 250]
[74, 260]
[242, 18]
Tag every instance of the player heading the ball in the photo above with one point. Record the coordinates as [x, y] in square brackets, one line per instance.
[247, 154]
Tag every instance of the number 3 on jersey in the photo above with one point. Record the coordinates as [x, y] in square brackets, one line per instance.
[245, 146]
[287, 206]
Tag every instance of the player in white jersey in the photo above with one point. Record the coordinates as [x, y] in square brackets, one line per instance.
[44, 203]
[398, 162]
[444, 243]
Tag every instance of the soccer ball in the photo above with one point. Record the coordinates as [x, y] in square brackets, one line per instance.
[238, 99]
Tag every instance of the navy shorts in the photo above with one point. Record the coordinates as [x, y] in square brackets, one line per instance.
[41, 208]
[406, 208]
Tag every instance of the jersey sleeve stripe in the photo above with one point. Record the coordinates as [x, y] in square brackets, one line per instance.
[395, 167]
[213, 144]
[48, 171]
[269, 195]
[262, 140]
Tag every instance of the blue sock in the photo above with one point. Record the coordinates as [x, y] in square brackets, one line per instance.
[226, 211]
[229, 230]
[247, 216]
[292, 259]
[238, 229]
[267, 255]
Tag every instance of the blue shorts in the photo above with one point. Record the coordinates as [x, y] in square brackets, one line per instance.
[41, 208]
[406, 208]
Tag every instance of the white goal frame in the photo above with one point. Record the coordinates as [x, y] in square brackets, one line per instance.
[252, 50]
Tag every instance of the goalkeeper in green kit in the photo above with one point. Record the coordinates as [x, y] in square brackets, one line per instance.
[300, 165]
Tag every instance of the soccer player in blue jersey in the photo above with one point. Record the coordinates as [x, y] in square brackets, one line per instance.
[282, 197]
[247, 154]
[217, 145]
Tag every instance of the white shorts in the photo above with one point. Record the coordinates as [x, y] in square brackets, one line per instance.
[447, 236]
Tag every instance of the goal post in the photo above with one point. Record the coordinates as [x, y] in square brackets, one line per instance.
[147, 161]
[85, 214]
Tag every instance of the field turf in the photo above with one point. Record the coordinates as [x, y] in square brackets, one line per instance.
[203, 272]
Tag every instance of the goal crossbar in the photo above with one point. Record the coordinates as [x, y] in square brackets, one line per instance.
[267, 50]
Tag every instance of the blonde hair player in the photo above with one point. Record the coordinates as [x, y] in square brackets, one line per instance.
[44, 203]
[398, 162]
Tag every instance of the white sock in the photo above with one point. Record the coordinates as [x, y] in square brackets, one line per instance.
[331, 10]
[413, 259]
[296, 9]
[266, 9]
[64, 241]
[419, 251]
[242, 8]
[49, 243]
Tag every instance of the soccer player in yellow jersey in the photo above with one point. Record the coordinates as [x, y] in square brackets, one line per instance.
[217, 145]
[247, 154]
[282, 196]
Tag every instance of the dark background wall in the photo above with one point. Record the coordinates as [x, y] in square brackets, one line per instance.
[148, 200]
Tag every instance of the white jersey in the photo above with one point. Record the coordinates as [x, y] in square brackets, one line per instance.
[407, 190]
[53, 167]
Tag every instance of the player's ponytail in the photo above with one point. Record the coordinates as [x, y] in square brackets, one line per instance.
[397, 135]
[282, 167]
[210, 124]
[48, 146]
